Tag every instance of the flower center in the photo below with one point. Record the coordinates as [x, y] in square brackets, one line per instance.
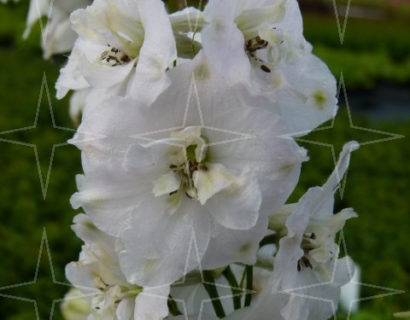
[114, 57]
[267, 49]
[252, 46]
[125, 37]
[188, 159]
[307, 246]
[186, 170]
[109, 296]
[191, 174]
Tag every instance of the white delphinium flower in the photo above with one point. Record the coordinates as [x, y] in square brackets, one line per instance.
[305, 283]
[73, 77]
[121, 50]
[57, 37]
[98, 276]
[308, 275]
[262, 42]
[207, 163]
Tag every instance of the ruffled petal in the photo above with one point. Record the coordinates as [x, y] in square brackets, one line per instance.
[223, 43]
[157, 54]
[160, 248]
[152, 303]
[233, 246]
[237, 207]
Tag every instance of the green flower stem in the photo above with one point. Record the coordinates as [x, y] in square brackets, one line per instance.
[249, 285]
[236, 290]
[173, 307]
[209, 284]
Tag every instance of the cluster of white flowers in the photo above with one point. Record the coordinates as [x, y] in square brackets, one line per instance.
[189, 160]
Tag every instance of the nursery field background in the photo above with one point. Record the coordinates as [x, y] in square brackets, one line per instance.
[35, 161]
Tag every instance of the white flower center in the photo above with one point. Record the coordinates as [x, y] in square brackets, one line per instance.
[124, 36]
[105, 302]
[114, 57]
[191, 173]
[267, 49]
[318, 242]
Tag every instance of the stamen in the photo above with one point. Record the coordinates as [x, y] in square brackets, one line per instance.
[252, 46]
[256, 44]
[307, 246]
[114, 57]
[186, 171]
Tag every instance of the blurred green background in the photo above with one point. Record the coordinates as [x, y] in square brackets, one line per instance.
[375, 61]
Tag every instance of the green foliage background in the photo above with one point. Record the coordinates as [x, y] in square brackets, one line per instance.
[377, 184]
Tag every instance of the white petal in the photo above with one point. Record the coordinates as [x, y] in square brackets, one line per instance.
[251, 20]
[309, 98]
[275, 160]
[58, 36]
[37, 9]
[81, 277]
[77, 104]
[212, 181]
[152, 304]
[157, 53]
[344, 271]
[75, 306]
[341, 167]
[223, 43]
[110, 199]
[292, 22]
[237, 207]
[332, 184]
[160, 248]
[103, 76]
[71, 77]
[233, 246]
[166, 184]
[290, 250]
[125, 309]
